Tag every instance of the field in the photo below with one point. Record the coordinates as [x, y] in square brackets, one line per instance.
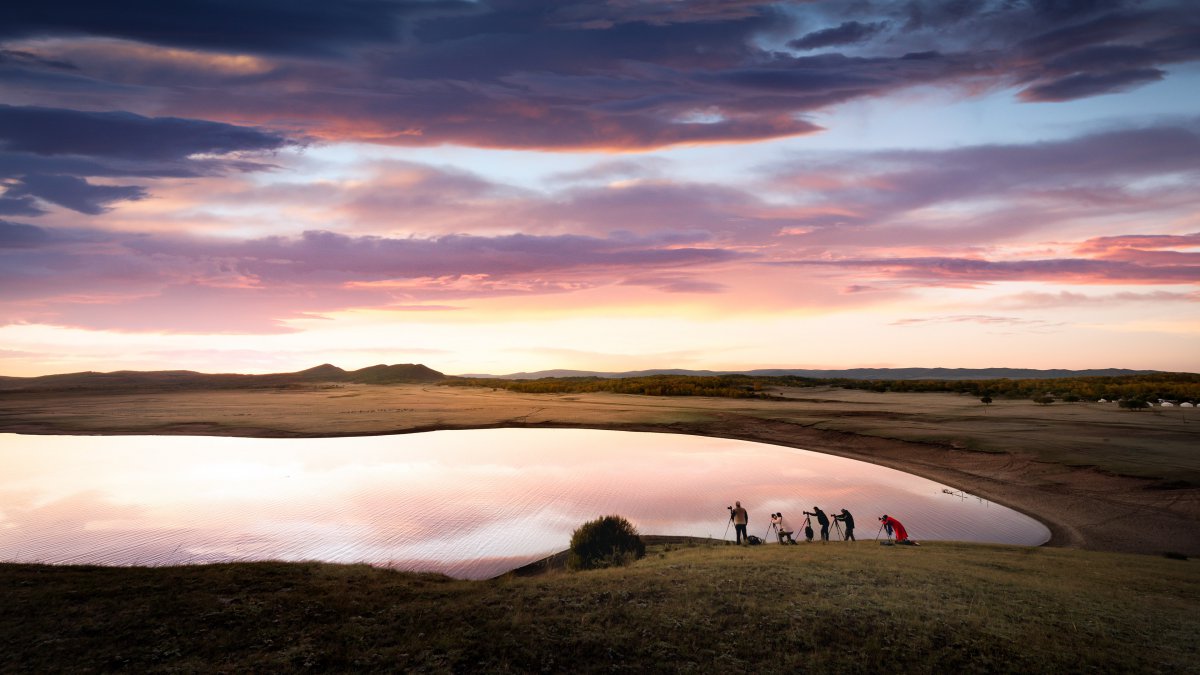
[1101, 478]
[840, 607]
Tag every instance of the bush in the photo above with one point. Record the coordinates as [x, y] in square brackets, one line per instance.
[610, 541]
[1133, 404]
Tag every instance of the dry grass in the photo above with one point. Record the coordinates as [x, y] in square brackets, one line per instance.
[1154, 444]
[941, 607]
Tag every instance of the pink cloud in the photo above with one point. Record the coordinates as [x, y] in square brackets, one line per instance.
[256, 286]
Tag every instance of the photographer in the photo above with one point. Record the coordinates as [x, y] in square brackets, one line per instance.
[740, 519]
[848, 519]
[783, 528]
[822, 520]
[894, 525]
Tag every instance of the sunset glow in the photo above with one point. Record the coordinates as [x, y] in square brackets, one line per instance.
[491, 187]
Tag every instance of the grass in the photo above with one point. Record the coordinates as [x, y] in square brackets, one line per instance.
[1156, 444]
[942, 607]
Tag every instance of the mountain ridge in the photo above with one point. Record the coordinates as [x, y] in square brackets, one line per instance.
[415, 373]
[847, 373]
[401, 373]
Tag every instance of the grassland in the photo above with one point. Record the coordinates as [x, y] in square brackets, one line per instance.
[1101, 478]
[942, 607]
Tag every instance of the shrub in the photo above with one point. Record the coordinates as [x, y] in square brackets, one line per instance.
[610, 541]
[1133, 403]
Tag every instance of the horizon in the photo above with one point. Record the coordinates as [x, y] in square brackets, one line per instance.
[597, 372]
[521, 186]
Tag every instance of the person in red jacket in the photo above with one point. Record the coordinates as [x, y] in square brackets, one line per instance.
[895, 526]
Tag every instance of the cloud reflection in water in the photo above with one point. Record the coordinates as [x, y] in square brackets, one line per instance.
[468, 503]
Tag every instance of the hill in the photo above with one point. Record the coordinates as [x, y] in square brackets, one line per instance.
[406, 373]
[840, 607]
[849, 374]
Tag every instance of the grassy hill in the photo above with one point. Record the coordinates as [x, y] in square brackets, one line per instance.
[160, 380]
[942, 607]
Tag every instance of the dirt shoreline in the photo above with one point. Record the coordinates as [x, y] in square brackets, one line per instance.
[1083, 507]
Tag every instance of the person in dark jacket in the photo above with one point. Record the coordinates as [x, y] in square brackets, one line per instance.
[848, 519]
[822, 520]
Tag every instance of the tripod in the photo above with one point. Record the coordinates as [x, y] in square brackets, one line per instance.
[725, 537]
[807, 528]
[838, 527]
[881, 526]
[772, 526]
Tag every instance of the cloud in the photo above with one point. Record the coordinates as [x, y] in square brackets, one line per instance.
[11, 205]
[675, 283]
[136, 282]
[20, 235]
[1109, 245]
[849, 32]
[48, 153]
[976, 271]
[1084, 85]
[982, 319]
[13, 56]
[579, 75]
[1041, 300]
[74, 193]
[988, 193]
[124, 136]
[270, 26]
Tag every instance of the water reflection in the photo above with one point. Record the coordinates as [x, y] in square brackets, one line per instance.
[468, 503]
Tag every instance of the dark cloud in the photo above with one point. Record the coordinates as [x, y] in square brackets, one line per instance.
[847, 33]
[19, 206]
[123, 135]
[271, 26]
[1103, 58]
[938, 14]
[12, 56]
[48, 154]
[1068, 9]
[1099, 31]
[74, 193]
[1084, 85]
[20, 235]
[585, 75]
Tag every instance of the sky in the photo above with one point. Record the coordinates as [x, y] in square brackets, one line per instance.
[492, 187]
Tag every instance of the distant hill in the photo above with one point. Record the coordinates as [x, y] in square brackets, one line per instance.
[850, 374]
[187, 379]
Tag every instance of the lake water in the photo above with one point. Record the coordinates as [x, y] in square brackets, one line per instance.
[471, 504]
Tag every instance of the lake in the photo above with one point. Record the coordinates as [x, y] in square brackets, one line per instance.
[470, 504]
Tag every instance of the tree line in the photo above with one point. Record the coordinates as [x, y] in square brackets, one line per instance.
[1151, 387]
